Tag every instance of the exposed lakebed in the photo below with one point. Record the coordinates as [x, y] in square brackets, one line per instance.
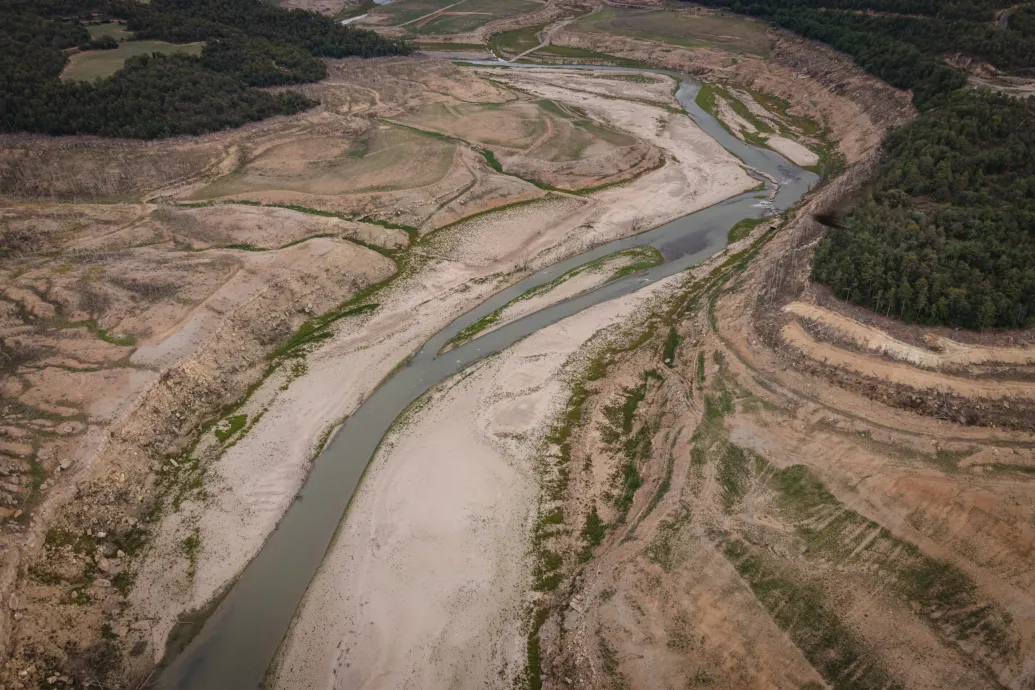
[238, 641]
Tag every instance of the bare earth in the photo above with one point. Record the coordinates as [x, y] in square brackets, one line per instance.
[720, 481]
[255, 479]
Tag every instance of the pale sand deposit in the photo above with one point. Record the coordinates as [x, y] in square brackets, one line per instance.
[424, 586]
[870, 365]
[792, 150]
[256, 479]
[947, 352]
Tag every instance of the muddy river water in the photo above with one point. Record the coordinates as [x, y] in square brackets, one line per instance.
[238, 641]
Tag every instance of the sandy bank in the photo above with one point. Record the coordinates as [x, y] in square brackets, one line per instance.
[425, 584]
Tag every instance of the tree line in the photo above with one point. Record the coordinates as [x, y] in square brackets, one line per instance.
[945, 233]
[248, 43]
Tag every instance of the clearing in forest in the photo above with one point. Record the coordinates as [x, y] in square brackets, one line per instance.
[94, 64]
[113, 29]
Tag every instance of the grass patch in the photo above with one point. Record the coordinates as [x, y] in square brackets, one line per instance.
[736, 468]
[799, 608]
[662, 547]
[317, 329]
[534, 669]
[490, 158]
[230, 426]
[593, 533]
[515, 42]
[191, 548]
[582, 54]
[668, 356]
[113, 29]
[743, 228]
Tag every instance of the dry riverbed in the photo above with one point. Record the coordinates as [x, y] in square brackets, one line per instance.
[447, 273]
[194, 464]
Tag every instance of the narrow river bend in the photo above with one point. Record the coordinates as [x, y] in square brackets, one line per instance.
[237, 643]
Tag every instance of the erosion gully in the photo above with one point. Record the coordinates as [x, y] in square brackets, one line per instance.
[238, 641]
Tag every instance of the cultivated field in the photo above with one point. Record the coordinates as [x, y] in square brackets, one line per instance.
[687, 29]
[94, 64]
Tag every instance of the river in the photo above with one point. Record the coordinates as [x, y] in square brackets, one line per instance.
[239, 640]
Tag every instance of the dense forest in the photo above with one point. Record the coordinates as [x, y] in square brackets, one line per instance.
[248, 43]
[945, 234]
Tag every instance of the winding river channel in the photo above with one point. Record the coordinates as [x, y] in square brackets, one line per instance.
[239, 640]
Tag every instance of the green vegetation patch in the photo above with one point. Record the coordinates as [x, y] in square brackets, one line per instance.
[230, 426]
[635, 446]
[802, 611]
[583, 55]
[317, 329]
[671, 345]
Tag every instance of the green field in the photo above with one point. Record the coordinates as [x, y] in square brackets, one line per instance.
[94, 64]
[685, 29]
[113, 29]
[517, 41]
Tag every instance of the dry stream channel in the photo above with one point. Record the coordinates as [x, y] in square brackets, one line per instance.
[238, 641]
